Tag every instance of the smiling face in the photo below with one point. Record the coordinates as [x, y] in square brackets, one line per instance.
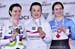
[58, 10]
[36, 11]
[16, 12]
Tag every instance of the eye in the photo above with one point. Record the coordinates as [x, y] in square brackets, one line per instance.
[38, 10]
[19, 10]
[34, 10]
[56, 9]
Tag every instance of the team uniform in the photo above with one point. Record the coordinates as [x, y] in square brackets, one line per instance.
[17, 43]
[60, 40]
[34, 41]
[2, 41]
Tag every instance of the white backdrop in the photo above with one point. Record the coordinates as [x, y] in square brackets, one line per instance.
[46, 4]
[69, 8]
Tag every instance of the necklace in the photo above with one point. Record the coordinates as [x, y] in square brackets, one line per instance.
[37, 22]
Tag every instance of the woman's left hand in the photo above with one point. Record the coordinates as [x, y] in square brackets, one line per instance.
[63, 28]
[41, 32]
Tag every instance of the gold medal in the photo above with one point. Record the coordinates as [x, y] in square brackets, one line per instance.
[39, 28]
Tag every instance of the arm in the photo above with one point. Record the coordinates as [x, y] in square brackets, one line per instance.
[48, 32]
[24, 41]
[72, 30]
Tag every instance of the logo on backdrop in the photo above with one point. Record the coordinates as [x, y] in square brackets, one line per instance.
[2, 6]
[69, 3]
[45, 15]
[45, 2]
[69, 15]
[25, 17]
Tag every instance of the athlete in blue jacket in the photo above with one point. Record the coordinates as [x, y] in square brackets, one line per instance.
[61, 27]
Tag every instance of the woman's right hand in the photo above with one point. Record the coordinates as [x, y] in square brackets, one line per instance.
[14, 34]
[59, 30]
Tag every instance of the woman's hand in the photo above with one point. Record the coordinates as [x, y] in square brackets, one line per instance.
[61, 29]
[14, 34]
[41, 32]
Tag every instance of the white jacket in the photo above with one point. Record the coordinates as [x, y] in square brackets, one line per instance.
[34, 41]
[7, 34]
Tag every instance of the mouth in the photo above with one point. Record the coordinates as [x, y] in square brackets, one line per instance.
[36, 14]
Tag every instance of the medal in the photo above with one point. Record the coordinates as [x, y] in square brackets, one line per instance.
[39, 28]
[59, 30]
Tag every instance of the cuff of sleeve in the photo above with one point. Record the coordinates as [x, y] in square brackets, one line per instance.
[67, 32]
[24, 42]
[47, 39]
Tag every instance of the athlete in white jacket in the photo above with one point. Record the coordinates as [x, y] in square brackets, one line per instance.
[38, 31]
[14, 24]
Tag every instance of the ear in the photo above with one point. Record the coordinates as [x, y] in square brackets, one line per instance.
[10, 12]
[52, 12]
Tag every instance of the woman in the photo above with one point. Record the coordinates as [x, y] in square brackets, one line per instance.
[14, 24]
[61, 28]
[2, 41]
[37, 29]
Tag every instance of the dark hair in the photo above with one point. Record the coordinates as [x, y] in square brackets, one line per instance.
[56, 4]
[12, 6]
[35, 3]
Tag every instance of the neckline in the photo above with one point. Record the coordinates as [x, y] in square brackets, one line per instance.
[37, 22]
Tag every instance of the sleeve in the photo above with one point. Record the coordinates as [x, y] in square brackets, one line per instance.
[4, 42]
[67, 32]
[72, 29]
[48, 37]
[24, 41]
